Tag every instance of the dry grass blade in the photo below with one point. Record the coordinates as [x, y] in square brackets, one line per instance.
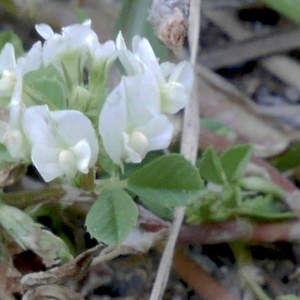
[189, 148]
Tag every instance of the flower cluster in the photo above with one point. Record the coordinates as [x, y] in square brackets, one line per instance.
[59, 111]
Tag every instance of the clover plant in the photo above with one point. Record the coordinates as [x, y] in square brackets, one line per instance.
[75, 129]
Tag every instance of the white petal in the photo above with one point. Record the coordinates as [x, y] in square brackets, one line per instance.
[39, 127]
[112, 123]
[106, 52]
[44, 30]
[87, 23]
[128, 60]
[158, 132]
[130, 155]
[184, 75]
[7, 58]
[73, 126]
[46, 160]
[33, 59]
[174, 97]
[142, 97]
[67, 162]
[14, 141]
[77, 36]
[167, 68]
[82, 151]
[143, 50]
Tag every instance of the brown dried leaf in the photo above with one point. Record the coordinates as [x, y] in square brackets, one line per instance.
[75, 268]
[11, 173]
[9, 281]
[51, 292]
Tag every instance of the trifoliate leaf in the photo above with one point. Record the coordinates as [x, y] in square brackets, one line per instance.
[112, 216]
[170, 180]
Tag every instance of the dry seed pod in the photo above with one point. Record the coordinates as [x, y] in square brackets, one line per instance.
[169, 19]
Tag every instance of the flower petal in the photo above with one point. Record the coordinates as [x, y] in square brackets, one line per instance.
[112, 123]
[158, 132]
[184, 75]
[73, 126]
[83, 152]
[143, 50]
[7, 58]
[174, 97]
[39, 127]
[142, 97]
[44, 30]
[46, 160]
[127, 58]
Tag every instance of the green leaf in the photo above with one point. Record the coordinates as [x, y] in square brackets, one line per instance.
[235, 160]
[4, 155]
[290, 159]
[211, 167]
[45, 86]
[170, 180]
[264, 208]
[289, 8]
[10, 37]
[31, 235]
[216, 126]
[112, 217]
[133, 20]
[259, 184]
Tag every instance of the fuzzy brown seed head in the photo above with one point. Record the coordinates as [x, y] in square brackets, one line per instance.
[169, 20]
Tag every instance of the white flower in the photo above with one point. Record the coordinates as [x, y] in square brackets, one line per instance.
[63, 142]
[103, 53]
[12, 71]
[175, 82]
[12, 135]
[68, 51]
[102, 57]
[130, 122]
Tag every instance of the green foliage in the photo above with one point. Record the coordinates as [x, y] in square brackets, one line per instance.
[211, 167]
[216, 126]
[133, 20]
[9, 36]
[112, 216]
[166, 182]
[235, 160]
[45, 86]
[232, 194]
[31, 235]
[289, 159]
[289, 8]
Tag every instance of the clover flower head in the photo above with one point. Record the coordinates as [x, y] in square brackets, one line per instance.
[63, 142]
[175, 82]
[130, 122]
[67, 51]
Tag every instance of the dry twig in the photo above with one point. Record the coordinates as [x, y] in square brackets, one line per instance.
[189, 148]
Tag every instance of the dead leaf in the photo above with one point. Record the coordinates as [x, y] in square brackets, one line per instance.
[9, 281]
[56, 292]
[11, 173]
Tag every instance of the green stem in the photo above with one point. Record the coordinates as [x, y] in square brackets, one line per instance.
[24, 199]
[257, 290]
[243, 258]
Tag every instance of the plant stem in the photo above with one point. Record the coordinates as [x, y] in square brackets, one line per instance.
[25, 199]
